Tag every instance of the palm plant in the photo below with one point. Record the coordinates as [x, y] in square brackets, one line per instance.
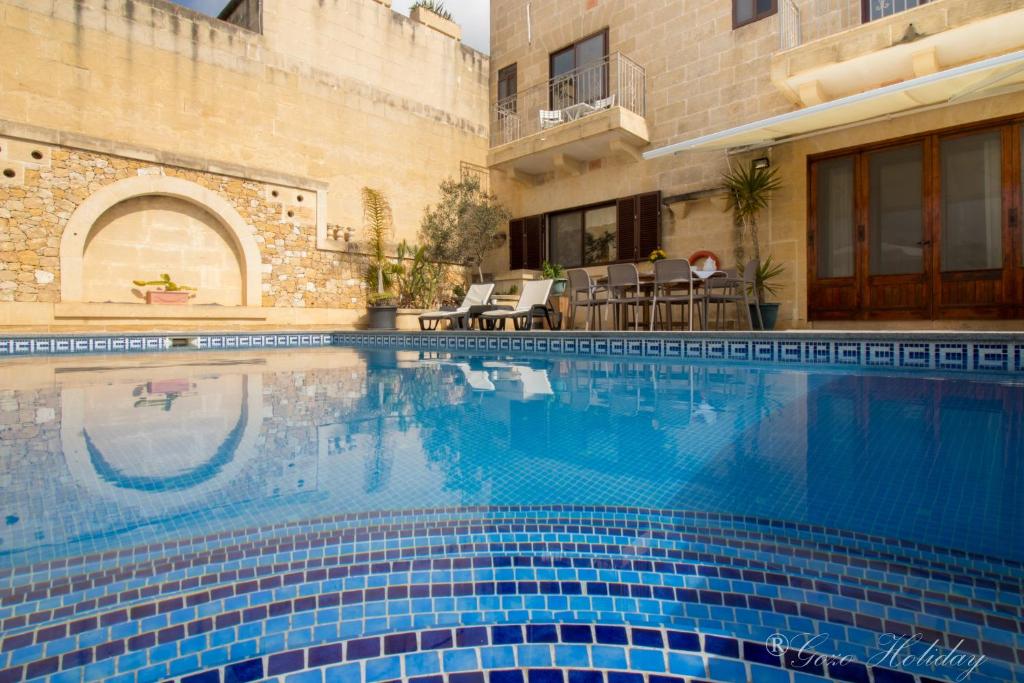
[749, 190]
[377, 223]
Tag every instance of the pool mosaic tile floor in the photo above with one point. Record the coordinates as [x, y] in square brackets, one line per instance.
[336, 515]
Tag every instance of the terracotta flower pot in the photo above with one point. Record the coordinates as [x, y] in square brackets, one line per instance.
[157, 297]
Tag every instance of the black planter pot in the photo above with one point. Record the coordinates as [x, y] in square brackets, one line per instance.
[769, 313]
[382, 317]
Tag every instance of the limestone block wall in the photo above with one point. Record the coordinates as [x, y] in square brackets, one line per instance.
[287, 124]
[347, 91]
[702, 76]
[35, 212]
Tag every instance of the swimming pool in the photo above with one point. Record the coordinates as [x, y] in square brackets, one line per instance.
[344, 514]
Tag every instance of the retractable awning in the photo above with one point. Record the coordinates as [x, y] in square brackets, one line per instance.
[972, 80]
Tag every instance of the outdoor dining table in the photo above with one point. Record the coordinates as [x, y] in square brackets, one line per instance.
[575, 111]
[700, 279]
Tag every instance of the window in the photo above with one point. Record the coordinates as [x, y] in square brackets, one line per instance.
[508, 88]
[835, 216]
[584, 237]
[749, 11]
[972, 202]
[876, 9]
[896, 210]
[579, 72]
[627, 229]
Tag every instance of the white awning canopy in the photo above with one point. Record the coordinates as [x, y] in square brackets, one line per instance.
[944, 87]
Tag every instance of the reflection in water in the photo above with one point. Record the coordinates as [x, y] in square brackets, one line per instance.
[320, 432]
[220, 457]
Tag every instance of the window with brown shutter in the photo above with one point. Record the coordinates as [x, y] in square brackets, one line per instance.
[584, 236]
[534, 242]
[515, 244]
[526, 243]
[639, 226]
[625, 239]
[648, 224]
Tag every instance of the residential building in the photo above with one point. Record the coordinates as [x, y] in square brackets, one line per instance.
[895, 126]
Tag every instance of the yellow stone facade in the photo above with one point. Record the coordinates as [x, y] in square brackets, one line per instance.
[284, 126]
[703, 76]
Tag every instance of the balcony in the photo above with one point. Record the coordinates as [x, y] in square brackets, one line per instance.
[591, 113]
[898, 40]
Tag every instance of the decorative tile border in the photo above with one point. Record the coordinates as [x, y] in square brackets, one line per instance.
[1001, 353]
[920, 352]
[147, 343]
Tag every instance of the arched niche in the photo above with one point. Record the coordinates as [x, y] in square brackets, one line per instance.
[144, 226]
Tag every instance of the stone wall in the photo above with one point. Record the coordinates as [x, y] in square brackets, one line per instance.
[287, 125]
[34, 214]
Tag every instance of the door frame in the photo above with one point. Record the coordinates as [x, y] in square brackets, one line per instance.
[855, 304]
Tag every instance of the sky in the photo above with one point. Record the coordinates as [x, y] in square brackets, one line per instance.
[472, 15]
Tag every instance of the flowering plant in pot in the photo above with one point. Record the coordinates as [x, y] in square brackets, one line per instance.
[168, 292]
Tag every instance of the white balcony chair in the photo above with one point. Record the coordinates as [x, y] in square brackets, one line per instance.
[550, 118]
[604, 102]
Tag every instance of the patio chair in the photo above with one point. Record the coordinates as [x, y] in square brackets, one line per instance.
[624, 293]
[478, 295]
[724, 289]
[551, 118]
[535, 295]
[669, 275]
[604, 103]
[583, 292]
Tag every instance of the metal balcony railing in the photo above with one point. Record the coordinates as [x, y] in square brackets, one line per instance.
[795, 27]
[789, 24]
[615, 81]
[877, 9]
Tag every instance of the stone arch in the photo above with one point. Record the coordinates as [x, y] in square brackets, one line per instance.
[83, 222]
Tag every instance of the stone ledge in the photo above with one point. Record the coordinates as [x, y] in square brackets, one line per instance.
[109, 311]
[438, 23]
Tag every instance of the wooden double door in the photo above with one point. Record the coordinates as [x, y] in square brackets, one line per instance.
[921, 228]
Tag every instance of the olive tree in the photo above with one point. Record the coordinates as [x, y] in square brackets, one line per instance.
[464, 225]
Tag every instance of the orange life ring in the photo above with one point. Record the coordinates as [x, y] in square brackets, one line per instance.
[704, 254]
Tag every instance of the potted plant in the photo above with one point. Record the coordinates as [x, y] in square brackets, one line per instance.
[381, 303]
[556, 272]
[168, 292]
[767, 271]
[657, 255]
[749, 190]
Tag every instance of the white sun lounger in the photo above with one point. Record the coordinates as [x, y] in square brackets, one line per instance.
[535, 295]
[478, 295]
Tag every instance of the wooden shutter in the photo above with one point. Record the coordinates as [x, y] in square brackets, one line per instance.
[625, 240]
[648, 224]
[534, 242]
[638, 226]
[515, 244]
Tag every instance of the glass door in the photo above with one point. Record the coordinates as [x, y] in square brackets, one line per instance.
[929, 228]
[579, 73]
[972, 228]
[897, 250]
[832, 286]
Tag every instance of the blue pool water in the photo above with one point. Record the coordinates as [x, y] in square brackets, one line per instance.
[883, 501]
